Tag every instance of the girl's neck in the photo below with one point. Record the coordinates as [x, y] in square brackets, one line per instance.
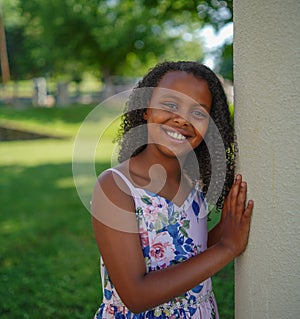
[163, 176]
[156, 164]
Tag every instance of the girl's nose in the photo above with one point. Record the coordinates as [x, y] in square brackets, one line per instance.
[181, 120]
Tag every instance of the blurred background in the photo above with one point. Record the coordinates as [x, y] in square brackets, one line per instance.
[60, 59]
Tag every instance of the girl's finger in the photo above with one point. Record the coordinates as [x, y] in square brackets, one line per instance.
[234, 194]
[238, 178]
[249, 209]
[241, 200]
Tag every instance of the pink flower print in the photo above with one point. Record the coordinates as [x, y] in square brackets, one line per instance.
[161, 250]
[111, 310]
[144, 237]
[157, 206]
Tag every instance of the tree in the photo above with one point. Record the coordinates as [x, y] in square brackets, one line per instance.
[107, 37]
[225, 63]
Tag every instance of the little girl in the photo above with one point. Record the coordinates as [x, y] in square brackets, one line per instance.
[150, 211]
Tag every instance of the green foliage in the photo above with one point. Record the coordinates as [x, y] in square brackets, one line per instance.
[107, 37]
[225, 65]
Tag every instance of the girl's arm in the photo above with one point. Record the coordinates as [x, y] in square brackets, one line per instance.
[120, 247]
[214, 234]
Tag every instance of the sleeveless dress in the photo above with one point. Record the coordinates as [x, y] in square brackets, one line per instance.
[169, 234]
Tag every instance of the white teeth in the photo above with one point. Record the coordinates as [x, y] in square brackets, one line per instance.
[177, 136]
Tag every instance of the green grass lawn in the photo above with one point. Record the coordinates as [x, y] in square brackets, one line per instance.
[48, 256]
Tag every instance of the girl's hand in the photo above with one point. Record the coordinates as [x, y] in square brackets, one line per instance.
[236, 217]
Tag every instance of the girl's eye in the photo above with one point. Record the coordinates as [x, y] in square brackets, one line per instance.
[170, 105]
[200, 114]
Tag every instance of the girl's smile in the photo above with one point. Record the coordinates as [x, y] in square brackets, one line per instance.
[175, 135]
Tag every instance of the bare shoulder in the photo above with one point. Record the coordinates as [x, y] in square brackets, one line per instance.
[111, 180]
[106, 179]
[113, 204]
[111, 188]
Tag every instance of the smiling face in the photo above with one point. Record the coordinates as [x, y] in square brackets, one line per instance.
[178, 113]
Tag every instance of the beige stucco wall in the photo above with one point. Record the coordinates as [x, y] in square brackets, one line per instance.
[267, 119]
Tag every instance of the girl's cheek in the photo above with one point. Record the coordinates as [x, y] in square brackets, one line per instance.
[201, 127]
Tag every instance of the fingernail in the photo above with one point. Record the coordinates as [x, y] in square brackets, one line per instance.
[243, 184]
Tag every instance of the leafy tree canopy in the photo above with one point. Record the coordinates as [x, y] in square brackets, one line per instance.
[106, 37]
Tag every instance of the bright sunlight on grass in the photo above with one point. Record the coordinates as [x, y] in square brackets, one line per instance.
[49, 259]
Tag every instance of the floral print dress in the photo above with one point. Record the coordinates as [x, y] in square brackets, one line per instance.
[169, 235]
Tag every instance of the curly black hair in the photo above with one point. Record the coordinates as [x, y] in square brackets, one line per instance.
[132, 136]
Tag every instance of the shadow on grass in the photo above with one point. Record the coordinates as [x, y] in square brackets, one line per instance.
[47, 114]
[73, 114]
[48, 256]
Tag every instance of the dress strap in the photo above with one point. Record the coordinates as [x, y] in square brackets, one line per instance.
[124, 178]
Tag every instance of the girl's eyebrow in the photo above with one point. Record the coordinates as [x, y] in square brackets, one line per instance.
[170, 96]
[176, 97]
